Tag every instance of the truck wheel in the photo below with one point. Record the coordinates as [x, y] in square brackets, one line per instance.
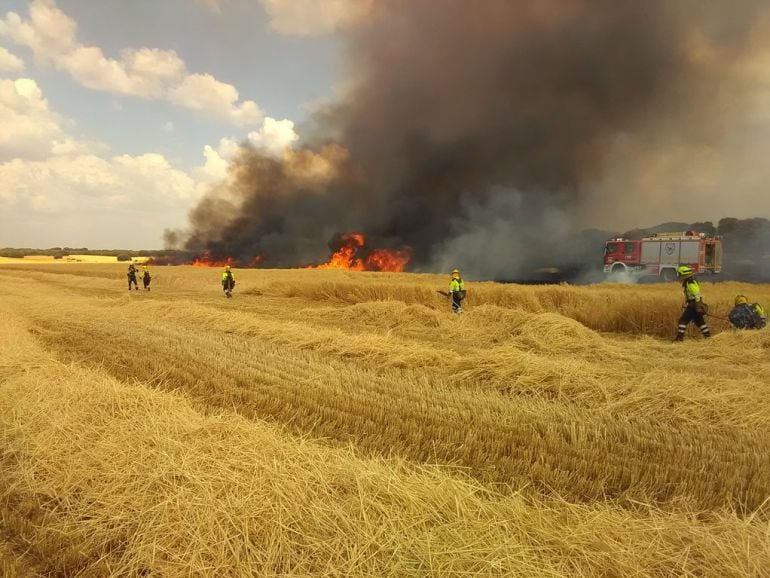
[668, 274]
[617, 271]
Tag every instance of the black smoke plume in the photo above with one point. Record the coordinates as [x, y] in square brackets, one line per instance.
[475, 131]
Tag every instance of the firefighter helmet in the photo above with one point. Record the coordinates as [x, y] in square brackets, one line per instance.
[684, 271]
[455, 273]
[741, 299]
[227, 267]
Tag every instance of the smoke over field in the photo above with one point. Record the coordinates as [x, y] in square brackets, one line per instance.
[479, 134]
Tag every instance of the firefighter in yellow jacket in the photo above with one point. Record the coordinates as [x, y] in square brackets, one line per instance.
[694, 309]
[228, 281]
[456, 291]
[146, 277]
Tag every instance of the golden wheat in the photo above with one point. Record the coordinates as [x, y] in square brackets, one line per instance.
[327, 422]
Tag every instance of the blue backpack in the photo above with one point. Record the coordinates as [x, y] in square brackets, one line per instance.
[744, 317]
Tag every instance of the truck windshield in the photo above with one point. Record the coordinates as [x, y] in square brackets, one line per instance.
[628, 248]
[610, 248]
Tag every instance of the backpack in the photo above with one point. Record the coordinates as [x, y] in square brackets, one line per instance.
[744, 317]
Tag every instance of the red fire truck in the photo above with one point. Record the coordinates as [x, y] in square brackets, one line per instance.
[661, 254]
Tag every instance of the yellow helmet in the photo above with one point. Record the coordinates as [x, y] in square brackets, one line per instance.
[684, 271]
[227, 267]
[741, 299]
[455, 272]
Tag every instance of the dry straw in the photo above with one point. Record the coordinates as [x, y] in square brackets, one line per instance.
[328, 423]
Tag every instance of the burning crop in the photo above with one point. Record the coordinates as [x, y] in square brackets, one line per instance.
[206, 260]
[349, 252]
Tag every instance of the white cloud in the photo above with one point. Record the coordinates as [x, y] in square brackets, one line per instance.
[10, 62]
[85, 199]
[145, 72]
[47, 32]
[58, 190]
[203, 92]
[30, 129]
[85, 181]
[215, 166]
[313, 17]
[274, 138]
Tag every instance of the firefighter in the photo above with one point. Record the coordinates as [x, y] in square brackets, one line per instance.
[228, 281]
[456, 291]
[131, 274]
[694, 308]
[146, 278]
[747, 315]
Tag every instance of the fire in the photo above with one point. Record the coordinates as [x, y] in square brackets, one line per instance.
[393, 260]
[349, 256]
[206, 260]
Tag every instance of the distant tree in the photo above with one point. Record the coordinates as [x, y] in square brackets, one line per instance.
[704, 227]
[123, 257]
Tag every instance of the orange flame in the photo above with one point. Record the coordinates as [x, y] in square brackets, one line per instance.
[206, 260]
[392, 260]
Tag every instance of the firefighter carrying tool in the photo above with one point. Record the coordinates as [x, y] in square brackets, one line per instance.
[131, 274]
[456, 291]
[228, 281]
[694, 308]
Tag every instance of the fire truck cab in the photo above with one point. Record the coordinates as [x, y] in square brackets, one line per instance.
[661, 254]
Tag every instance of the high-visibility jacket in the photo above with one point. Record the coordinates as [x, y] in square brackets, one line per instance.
[226, 274]
[456, 285]
[691, 290]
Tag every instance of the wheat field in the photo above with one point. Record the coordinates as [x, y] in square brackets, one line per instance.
[330, 423]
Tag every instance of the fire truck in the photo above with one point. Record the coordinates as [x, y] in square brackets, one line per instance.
[661, 254]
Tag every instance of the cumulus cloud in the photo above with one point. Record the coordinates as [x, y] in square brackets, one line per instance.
[88, 200]
[274, 138]
[145, 72]
[314, 17]
[58, 190]
[10, 62]
[30, 129]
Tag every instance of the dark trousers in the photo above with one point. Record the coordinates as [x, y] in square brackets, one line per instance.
[456, 301]
[132, 279]
[690, 315]
[146, 280]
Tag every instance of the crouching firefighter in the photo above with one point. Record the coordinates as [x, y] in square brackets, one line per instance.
[694, 309]
[747, 315]
[456, 291]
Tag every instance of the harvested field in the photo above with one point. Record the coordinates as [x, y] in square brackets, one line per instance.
[338, 423]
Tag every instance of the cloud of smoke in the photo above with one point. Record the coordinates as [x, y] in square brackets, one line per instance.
[482, 133]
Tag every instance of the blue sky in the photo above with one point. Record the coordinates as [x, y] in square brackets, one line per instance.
[100, 149]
